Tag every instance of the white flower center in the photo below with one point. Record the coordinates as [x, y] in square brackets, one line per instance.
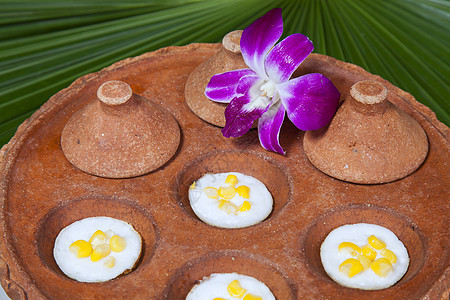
[268, 89]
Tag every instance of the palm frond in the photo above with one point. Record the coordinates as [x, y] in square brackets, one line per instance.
[46, 45]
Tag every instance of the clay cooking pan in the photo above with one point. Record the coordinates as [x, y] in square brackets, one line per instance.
[41, 192]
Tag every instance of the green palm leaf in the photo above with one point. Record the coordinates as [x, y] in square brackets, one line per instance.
[46, 45]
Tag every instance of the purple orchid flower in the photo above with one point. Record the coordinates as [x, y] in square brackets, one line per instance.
[264, 90]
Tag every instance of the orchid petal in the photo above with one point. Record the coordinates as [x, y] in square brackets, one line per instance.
[269, 126]
[242, 112]
[310, 100]
[258, 38]
[286, 56]
[222, 87]
[247, 82]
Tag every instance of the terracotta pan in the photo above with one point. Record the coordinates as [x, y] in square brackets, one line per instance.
[41, 192]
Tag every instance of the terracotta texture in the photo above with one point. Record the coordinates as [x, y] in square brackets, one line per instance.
[226, 59]
[369, 140]
[41, 192]
[120, 135]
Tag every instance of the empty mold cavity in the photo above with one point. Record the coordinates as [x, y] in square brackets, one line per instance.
[229, 262]
[78, 209]
[274, 176]
[405, 230]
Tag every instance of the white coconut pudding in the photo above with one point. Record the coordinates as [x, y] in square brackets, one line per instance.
[97, 249]
[364, 256]
[232, 286]
[230, 200]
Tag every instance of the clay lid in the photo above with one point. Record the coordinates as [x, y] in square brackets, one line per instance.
[121, 135]
[228, 58]
[369, 140]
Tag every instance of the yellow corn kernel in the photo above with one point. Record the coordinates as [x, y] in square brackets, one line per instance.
[349, 247]
[368, 251]
[376, 243]
[219, 299]
[110, 262]
[227, 192]
[80, 248]
[231, 180]
[389, 255]
[245, 206]
[100, 251]
[117, 243]
[228, 207]
[235, 289]
[364, 260]
[351, 267]
[252, 297]
[211, 192]
[97, 238]
[382, 267]
[192, 187]
[243, 191]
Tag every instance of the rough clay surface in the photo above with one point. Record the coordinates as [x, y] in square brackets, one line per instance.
[226, 59]
[369, 140]
[120, 135]
[41, 192]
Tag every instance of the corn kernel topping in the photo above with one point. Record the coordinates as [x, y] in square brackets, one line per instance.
[243, 191]
[351, 267]
[192, 187]
[231, 180]
[117, 243]
[245, 206]
[235, 289]
[389, 255]
[100, 251]
[351, 248]
[80, 248]
[110, 262]
[382, 267]
[369, 252]
[228, 207]
[97, 238]
[364, 260]
[227, 192]
[252, 297]
[211, 192]
[376, 243]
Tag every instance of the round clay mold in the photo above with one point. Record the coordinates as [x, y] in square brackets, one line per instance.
[36, 180]
[94, 206]
[404, 229]
[229, 262]
[274, 177]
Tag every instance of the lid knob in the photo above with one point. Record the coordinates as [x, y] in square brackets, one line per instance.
[232, 41]
[114, 92]
[368, 92]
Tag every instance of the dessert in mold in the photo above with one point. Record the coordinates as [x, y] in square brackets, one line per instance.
[364, 256]
[222, 286]
[97, 249]
[230, 200]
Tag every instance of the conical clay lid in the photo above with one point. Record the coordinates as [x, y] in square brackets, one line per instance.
[369, 140]
[120, 135]
[228, 58]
